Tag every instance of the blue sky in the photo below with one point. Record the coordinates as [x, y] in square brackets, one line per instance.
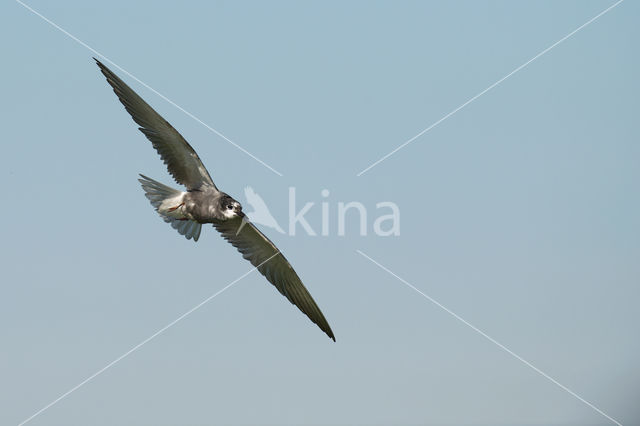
[519, 213]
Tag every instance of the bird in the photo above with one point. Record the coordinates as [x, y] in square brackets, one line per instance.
[203, 203]
[261, 213]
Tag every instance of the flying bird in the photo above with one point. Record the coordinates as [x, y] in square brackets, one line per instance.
[203, 202]
[261, 213]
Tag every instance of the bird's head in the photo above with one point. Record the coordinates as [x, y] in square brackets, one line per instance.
[230, 208]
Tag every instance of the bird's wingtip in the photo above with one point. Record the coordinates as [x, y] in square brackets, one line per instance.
[330, 334]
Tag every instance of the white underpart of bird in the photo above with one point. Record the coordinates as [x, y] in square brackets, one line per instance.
[166, 207]
[202, 203]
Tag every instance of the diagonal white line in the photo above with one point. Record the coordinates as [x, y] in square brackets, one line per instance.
[74, 38]
[139, 345]
[489, 88]
[491, 339]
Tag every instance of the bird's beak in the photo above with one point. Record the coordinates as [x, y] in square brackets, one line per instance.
[244, 222]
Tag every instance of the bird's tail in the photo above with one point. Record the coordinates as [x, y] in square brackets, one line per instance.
[158, 194]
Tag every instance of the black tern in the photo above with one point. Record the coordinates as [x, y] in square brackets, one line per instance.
[204, 203]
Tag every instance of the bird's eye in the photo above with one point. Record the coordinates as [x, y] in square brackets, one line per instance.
[229, 207]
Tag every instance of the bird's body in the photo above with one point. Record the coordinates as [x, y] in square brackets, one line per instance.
[202, 206]
[203, 203]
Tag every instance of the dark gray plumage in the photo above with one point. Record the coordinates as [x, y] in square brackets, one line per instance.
[204, 203]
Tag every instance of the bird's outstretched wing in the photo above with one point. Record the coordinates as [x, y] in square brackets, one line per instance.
[181, 159]
[262, 253]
